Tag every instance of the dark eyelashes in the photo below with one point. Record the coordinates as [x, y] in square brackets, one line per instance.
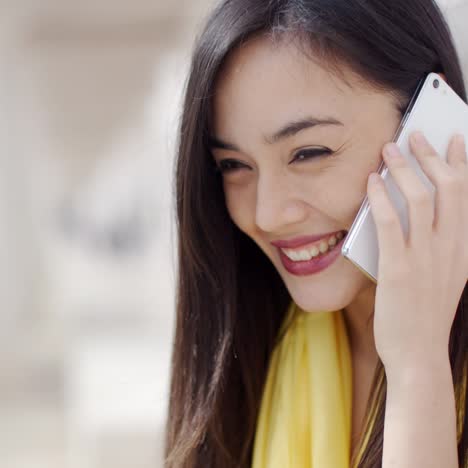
[231, 165]
[317, 153]
[227, 165]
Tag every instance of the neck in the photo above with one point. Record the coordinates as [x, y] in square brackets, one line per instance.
[358, 317]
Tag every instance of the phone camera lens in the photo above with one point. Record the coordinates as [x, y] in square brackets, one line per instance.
[436, 83]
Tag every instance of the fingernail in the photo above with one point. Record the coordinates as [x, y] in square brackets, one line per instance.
[460, 138]
[391, 150]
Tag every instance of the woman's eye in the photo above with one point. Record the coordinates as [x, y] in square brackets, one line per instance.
[317, 153]
[231, 165]
[228, 165]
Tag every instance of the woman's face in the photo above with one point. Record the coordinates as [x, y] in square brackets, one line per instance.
[272, 196]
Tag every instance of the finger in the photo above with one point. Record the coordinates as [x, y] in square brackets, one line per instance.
[456, 153]
[457, 158]
[389, 232]
[418, 197]
[446, 179]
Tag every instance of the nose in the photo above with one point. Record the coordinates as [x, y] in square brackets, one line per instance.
[278, 204]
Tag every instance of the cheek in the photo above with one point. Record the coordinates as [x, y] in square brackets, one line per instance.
[353, 189]
[240, 208]
[339, 193]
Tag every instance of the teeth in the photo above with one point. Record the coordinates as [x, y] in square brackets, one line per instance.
[314, 251]
[304, 255]
[293, 256]
[323, 247]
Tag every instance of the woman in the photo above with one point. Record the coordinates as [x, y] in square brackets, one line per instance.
[275, 365]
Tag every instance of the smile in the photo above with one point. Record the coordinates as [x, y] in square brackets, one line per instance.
[309, 260]
[314, 249]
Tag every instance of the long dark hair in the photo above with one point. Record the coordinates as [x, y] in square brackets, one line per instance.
[230, 300]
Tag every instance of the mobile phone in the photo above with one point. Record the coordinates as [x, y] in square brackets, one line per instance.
[436, 110]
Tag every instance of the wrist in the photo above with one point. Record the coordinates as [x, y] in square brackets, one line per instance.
[419, 368]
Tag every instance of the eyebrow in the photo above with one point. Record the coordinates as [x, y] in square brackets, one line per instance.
[288, 130]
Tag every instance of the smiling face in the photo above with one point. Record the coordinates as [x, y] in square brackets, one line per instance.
[311, 180]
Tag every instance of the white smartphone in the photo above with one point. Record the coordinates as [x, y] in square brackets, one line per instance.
[439, 113]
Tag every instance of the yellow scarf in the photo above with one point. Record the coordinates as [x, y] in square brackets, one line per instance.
[305, 412]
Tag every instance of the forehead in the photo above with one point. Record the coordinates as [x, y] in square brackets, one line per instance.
[264, 84]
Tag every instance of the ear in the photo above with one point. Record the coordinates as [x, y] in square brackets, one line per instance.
[442, 75]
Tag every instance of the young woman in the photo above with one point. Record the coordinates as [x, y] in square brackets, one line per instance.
[283, 361]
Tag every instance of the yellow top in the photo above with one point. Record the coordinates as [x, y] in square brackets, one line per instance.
[305, 412]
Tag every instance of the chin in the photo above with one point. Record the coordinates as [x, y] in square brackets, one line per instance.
[314, 294]
[317, 304]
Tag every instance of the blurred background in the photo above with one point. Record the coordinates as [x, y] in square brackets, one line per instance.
[90, 96]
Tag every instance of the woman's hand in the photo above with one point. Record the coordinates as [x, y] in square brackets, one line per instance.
[421, 278]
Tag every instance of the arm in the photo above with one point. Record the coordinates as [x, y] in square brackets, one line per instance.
[420, 420]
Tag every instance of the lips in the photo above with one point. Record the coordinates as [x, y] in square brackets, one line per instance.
[315, 264]
[304, 240]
